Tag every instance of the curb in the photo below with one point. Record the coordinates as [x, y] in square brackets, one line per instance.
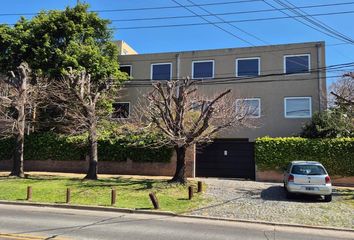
[90, 208]
[171, 214]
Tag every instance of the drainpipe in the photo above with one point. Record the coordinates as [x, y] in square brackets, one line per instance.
[320, 76]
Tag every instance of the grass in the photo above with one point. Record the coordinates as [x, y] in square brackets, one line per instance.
[131, 192]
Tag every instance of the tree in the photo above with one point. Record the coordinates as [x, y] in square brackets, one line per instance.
[186, 118]
[54, 41]
[342, 93]
[16, 105]
[83, 101]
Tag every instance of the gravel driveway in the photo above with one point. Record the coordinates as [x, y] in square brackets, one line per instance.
[267, 202]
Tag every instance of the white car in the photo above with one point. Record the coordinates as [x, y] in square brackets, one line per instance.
[305, 177]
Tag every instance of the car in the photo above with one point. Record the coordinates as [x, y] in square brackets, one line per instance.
[307, 177]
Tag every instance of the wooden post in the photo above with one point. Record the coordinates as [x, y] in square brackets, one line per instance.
[190, 192]
[154, 200]
[29, 193]
[200, 186]
[68, 195]
[113, 197]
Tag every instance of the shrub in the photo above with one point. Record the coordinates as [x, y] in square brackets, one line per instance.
[336, 154]
[51, 146]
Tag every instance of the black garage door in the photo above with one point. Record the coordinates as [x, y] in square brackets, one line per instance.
[226, 158]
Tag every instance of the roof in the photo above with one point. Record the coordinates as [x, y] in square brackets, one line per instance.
[305, 162]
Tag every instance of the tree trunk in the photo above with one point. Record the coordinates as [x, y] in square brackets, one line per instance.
[92, 171]
[17, 169]
[180, 174]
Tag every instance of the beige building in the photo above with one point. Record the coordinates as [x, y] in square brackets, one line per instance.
[286, 83]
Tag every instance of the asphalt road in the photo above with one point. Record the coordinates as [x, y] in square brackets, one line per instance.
[26, 222]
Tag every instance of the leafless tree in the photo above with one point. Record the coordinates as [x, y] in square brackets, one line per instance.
[80, 100]
[18, 100]
[342, 93]
[185, 118]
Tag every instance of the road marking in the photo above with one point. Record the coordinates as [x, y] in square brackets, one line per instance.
[6, 236]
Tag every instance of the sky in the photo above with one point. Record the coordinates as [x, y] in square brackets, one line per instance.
[126, 20]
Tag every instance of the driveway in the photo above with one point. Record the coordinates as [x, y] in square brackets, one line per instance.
[267, 202]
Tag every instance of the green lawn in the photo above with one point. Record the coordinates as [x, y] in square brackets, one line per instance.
[131, 192]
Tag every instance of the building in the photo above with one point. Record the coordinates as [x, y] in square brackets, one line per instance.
[285, 84]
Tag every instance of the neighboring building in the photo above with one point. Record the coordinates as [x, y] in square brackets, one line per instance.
[124, 48]
[286, 84]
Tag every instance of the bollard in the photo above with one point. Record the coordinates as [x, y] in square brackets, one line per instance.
[29, 193]
[154, 200]
[113, 197]
[200, 186]
[190, 192]
[68, 195]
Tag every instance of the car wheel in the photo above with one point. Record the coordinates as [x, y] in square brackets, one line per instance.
[328, 198]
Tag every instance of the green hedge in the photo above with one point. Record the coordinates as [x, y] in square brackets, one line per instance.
[50, 146]
[336, 154]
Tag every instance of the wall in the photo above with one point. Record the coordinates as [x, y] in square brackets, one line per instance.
[270, 89]
[105, 167]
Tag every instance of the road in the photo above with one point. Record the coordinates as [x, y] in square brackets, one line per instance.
[27, 222]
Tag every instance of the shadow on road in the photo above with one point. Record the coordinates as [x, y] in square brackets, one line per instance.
[277, 193]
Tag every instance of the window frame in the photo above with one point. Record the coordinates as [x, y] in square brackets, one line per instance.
[292, 98]
[259, 105]
[128, 111]
[128, 65]
[248, 58]
[201, 61]
[164, 63]
[297, 55]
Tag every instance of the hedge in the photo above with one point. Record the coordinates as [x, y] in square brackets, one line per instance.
[50, 146]
[336, 154]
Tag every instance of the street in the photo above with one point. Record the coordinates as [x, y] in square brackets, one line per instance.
[27, 222]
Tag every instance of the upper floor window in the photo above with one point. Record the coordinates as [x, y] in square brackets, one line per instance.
[250, 107]
[297, 64]
[247, 67]
[297, 107]
[126, 69]
[121, 110]
[161, 71]
[203, 69]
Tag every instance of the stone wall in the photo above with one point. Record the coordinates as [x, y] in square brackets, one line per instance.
[128, 167]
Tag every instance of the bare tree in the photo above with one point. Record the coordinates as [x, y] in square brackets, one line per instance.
[186, 118]
[18, 99]
[80, 100]
[343, 90]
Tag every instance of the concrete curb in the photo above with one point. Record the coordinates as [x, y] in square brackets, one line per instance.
[167, 213]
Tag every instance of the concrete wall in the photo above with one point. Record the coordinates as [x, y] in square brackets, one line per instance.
[271, 89]
[105, 167]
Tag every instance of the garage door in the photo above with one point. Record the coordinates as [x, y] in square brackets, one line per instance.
[226, 158]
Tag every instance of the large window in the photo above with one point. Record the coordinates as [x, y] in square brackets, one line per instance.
[126, 69]
[297, 107]
[247, 67]
[203, 69]
[297, 64]
[161, 71]
[251, 107]
[121, 110]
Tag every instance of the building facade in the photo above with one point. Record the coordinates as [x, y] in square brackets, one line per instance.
[286, 84]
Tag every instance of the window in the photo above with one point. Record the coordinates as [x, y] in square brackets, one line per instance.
[247, 67]
[126, 69]
[297, 64]
[298, 107]
[203, 69]
[251, 107]
[308, 170]
[161, 71]
[121, 110]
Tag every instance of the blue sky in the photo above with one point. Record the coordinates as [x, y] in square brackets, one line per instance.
[207, 36]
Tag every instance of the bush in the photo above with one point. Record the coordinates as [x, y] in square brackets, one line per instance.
[337, 154]
[51, 146]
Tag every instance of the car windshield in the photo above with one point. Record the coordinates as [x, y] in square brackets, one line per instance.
[308, 170]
